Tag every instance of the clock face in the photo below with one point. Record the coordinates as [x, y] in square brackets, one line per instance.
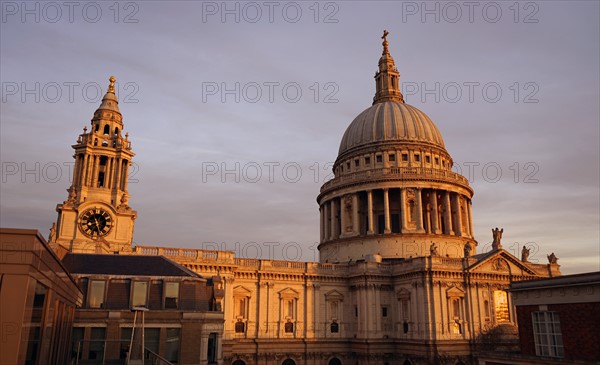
[95, 222]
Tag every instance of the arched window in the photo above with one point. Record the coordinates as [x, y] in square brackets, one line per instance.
[106, 129]
[288, 362]
[95, 141]
[97, 128]
[117, 131]
[335, 327]
[335, 361]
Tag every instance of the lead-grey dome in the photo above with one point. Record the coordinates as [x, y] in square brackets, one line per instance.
[390, 121]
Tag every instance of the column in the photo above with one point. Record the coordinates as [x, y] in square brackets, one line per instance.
[326, 230]
[366, 310]
[76, 170]
[470, 215]
[386, 210]
[117, 178]
[419, 211]
[343, 217]
[95, 171]
[402, 211]
[315, 309]
[321, 224]
[125, 174]
[457, 215]
[355, 220]
[434, 212]
[370, 211]
[228, 305]
[378, 314]
[88, 170]
[447, 214]
[333, 220]
[111, 172]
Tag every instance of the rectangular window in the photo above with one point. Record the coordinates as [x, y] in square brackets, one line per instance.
[76, 337]
[356, 163]
[97, 340]
[212, 349]
[96, 294]
[547, 334]
[171, 295]
[417, 157]
[405, 157]
[392, 158]
[151, 339]
[427, 159]
[379, 158]
[384, 311]
[367, 160]
[437, 161]
[172, 345]
[140, 294]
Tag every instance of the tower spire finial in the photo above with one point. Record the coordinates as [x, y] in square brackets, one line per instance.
[111, 86]
[387, 79]
[385, 42]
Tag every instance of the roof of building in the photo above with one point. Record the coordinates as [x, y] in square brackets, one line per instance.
[128, 265]
[390, 121]
[588, 278]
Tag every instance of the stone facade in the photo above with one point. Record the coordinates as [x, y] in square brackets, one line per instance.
[399, 280]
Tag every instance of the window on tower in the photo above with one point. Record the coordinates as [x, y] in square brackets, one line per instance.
[106, 129]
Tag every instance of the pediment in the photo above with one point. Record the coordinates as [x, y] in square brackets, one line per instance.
[240, 291]
[500, 262]
[334, 295]
[288, 293]
[454, 292]
[403, 294]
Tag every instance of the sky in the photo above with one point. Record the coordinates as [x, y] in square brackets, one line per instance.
[236, 110]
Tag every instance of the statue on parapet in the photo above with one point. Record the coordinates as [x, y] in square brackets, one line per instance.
[433, 250]
[552, 259]
[52, 235]
[467, 250]
[525, 254]
[497, 235]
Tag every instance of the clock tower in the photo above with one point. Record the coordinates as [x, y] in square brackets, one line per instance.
[96, 217]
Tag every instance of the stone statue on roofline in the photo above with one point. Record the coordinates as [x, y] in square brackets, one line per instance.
[497, 235]
[552, 259]
[525, 254]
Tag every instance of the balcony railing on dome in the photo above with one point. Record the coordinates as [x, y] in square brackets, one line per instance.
[398, 173]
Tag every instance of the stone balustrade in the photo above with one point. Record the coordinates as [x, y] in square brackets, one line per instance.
[398, 173]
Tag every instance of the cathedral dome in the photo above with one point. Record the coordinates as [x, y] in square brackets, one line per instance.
[390, 121]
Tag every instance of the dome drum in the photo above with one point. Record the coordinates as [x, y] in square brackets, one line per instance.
[405, 246]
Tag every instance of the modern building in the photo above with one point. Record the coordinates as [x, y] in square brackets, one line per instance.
[38, 298]
[400, 279]
[558, 322]
[182, 323]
